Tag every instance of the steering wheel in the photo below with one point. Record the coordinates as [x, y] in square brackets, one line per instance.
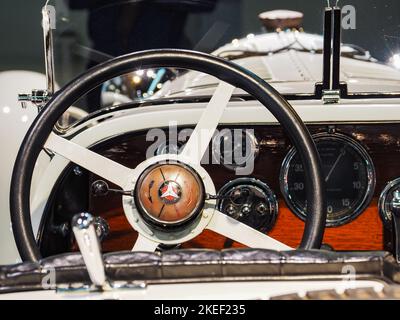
[167, 202]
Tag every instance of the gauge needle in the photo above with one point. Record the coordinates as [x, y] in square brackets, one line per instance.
[334, 165]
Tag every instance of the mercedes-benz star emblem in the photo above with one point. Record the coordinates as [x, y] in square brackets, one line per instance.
[170, 192]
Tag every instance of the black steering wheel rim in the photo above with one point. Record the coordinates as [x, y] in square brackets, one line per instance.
[224, 70]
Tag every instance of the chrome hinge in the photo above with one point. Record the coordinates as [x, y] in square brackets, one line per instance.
[37, 97]
[330, 96]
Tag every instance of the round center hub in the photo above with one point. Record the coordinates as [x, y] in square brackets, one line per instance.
[169, 194]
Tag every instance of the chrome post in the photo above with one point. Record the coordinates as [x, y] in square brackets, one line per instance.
[89, 246]
[48, 47]
[39, 97]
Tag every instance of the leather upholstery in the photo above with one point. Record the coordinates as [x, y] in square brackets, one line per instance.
[200, 264]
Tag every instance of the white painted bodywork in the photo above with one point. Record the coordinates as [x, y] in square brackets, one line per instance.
[14, 122]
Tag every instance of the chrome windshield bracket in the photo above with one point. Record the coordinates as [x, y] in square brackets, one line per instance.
[38, 97]
[330, 96]
[331, 89]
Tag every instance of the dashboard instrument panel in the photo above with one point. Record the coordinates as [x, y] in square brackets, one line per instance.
[370, 158]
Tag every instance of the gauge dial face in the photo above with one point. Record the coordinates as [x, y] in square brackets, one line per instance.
[349, 177]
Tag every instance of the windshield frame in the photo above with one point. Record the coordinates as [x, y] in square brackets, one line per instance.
[331, 64]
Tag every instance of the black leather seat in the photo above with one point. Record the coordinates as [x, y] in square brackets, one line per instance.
[203, 265]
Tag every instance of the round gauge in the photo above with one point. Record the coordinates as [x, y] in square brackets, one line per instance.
[389, 198]
[250, 201]
[236, 148]
[349, 176]
[168, 148]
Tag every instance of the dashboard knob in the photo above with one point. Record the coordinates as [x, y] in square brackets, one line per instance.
[246, 209]
[261, 208]
[99, 188]
[231, 210]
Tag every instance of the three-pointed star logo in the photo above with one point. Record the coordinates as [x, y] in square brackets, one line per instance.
[170, 192]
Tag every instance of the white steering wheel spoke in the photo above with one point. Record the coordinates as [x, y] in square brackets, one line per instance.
[144, 244]
[102, 166]
[205, 128]
[239, 232]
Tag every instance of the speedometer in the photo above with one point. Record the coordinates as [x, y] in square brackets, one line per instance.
[349, 177]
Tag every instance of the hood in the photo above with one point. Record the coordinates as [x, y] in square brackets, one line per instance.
[291, 71]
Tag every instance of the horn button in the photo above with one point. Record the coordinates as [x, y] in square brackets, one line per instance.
[169, 194]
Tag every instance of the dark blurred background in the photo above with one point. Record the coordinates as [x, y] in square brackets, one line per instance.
[204, 25]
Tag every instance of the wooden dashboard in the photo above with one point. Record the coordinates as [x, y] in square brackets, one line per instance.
[366, 232]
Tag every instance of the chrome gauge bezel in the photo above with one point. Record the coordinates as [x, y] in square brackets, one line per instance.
[369, 192]
[386, 215]
[254, 147]
[262, 187]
